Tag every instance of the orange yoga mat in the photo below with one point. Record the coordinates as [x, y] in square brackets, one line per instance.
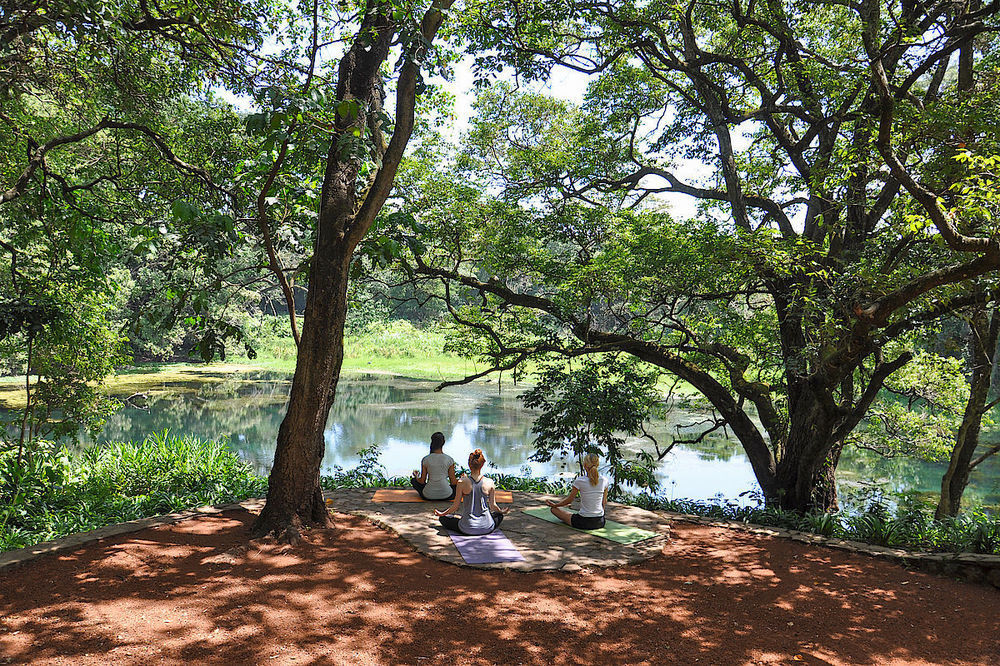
[410, 495]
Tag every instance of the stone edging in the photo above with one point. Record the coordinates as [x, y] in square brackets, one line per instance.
[971, 567]
[14, 558]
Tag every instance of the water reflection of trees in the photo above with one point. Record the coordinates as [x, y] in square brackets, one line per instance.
[248, 409]
[866, 469]
[496, 424]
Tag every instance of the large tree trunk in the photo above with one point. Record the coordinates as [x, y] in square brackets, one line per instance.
[294, 496]
[982, 351]
[804, 480]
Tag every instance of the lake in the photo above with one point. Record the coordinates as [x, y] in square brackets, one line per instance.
[400, 414]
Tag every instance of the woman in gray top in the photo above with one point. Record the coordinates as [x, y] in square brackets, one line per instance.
[436, 479]
[476, 495]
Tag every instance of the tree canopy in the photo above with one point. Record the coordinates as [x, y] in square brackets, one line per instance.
[847, 203]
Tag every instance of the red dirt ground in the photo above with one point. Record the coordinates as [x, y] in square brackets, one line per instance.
[191, 592]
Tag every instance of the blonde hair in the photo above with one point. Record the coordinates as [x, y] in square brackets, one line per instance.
[590, 463]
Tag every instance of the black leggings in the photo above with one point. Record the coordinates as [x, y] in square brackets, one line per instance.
[451, 522]
[587, 522]
[419, 487]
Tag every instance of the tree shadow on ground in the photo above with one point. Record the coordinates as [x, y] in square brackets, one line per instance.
[198, 592]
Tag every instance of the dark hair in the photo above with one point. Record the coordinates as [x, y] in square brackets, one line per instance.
[437, 441]
[477, 459]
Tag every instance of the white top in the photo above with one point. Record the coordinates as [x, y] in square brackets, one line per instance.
[591, 497]
[438, 485]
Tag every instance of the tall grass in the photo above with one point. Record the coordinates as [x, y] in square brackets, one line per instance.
[393, 339]
[396, 347]
[390, 339]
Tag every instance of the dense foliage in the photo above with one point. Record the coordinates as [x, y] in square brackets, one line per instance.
[836, 212]
[60, 492]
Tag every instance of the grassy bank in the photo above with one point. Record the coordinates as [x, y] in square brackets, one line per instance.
[393, 348]
[396, 348]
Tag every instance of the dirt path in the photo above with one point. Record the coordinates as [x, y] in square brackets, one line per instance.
[190, 592]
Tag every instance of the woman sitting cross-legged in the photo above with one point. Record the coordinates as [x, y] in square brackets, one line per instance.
[436, 479]
[476, 495]
[593, 491]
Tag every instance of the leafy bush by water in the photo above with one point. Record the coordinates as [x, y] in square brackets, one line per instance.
[369, 473]
[910, 525]
[58, 493]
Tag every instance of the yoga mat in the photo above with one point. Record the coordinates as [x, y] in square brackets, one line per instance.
[486, 549]
[410, 495]
[611, 531]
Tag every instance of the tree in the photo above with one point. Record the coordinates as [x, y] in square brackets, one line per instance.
[93, 116]
[587, 408]
[358, 177]
[819, 245]
[107, 119]
[936, 407]
[141, 58]
[982, 345]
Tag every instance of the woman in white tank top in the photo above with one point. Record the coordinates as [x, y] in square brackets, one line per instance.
[593, 491]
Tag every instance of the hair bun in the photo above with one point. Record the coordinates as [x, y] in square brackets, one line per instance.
[477, 459]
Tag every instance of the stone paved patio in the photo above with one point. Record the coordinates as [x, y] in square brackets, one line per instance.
[544, 545]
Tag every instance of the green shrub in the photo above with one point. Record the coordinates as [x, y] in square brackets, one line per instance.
[823, 524]
[55, 492]
[911, 526]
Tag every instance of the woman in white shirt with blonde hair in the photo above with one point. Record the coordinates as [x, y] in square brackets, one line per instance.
[593, 491]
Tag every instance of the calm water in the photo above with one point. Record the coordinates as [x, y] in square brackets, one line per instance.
[400, 414]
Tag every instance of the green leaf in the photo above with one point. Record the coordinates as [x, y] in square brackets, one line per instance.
[183, 211]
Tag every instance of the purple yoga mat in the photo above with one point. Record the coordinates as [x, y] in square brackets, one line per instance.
[486, 548]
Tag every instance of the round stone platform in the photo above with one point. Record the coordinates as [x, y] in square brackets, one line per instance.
[544, 545]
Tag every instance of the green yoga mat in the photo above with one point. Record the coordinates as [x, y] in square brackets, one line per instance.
[611, 531]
